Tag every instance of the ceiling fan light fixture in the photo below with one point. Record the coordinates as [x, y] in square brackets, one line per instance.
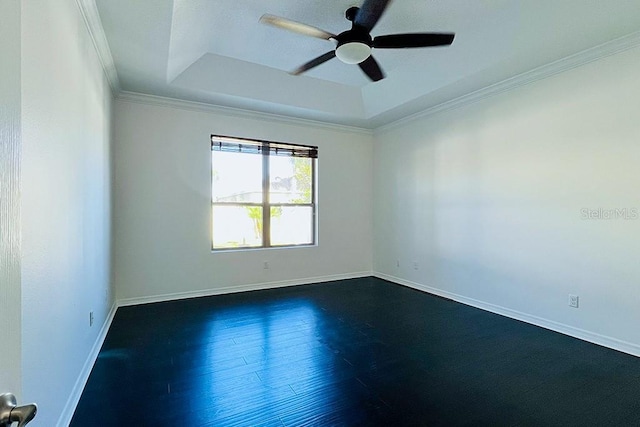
[353, 52]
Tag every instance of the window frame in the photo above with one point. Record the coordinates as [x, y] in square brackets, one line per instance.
[264, 149]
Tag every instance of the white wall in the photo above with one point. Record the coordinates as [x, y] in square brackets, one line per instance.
[66, 120]
[163, 203]
[487, 199]
[10, 147]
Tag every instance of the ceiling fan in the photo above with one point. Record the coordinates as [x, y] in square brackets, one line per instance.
[354, 45]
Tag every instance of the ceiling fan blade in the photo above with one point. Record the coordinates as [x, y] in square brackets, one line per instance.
[372, 69]
[413, 40]
[370, 13]
[314, 63]
[296, 27]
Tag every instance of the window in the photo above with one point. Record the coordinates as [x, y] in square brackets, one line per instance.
[263, 193]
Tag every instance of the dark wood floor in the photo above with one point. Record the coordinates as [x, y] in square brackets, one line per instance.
[354, 352]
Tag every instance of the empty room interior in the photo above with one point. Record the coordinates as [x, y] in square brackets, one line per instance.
[284, 213]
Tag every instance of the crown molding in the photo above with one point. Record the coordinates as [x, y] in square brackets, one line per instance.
[140, 98]
[91, 17]
[565, 64]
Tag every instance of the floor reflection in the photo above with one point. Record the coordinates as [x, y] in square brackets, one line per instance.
[253, 359]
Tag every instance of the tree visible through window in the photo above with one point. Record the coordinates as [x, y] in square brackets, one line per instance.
[263, 193]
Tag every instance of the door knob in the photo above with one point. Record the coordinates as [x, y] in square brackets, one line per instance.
[10, 412]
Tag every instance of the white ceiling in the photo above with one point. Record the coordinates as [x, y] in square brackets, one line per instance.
[216, 52]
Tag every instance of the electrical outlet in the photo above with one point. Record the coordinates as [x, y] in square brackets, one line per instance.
[574, 301]
[415, 265]
[91, 318]
[265, 265]
[398, 263]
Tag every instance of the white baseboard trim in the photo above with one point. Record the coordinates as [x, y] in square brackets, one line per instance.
[592, 337]
[240, 288]
[78, 387]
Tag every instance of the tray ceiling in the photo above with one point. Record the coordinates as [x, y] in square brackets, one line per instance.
[216, 52]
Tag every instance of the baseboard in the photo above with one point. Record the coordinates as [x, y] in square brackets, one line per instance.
[78, 387]
[240, 288]
[592, 337]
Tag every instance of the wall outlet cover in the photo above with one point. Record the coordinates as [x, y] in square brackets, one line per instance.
[574, 301]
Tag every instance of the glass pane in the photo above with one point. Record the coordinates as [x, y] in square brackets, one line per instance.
[291, 225]
[291, 179]
[236, 177]
[237, 227]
